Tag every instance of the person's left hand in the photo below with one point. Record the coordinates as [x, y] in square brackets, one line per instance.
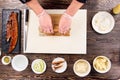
[65, 23]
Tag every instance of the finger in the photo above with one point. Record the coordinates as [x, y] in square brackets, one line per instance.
[66, 31]
[51, 30]
[40, 29]
[48, 31]
[62, 31]
[59, 30]
[44, 30]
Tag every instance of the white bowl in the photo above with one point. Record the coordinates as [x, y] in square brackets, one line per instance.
[37, 61]
[3, 62]
[80, 67]
[101, 64]
[103, 22]
[19, 62]
[61, 69]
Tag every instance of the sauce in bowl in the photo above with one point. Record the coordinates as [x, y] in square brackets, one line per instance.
[82, 67]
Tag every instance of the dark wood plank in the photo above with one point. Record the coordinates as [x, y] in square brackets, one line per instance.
[107, 45]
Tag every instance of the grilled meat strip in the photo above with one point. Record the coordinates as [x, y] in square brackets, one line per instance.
[8, 33]
[12, 32]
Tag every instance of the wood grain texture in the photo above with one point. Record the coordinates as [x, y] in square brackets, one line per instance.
[107, 45]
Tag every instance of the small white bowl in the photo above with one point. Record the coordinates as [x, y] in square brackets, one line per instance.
[3, 60]
[19, 62]
[37, 61]
[102, 63]
[61, 69]
[103, 22]
[80, 67]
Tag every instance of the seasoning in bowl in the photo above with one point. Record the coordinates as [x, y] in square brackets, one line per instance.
[101, 64]
[6, 60]
[82, 68]
[38, 66]
[103, 22]
[59, 65]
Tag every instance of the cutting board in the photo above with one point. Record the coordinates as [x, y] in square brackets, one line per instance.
[73, 44]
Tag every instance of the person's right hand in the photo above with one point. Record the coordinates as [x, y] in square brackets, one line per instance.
[65, 23]
[45, 23]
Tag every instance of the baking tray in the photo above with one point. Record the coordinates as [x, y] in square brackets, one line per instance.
[5, 17]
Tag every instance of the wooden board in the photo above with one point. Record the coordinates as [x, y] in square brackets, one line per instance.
[73, 44]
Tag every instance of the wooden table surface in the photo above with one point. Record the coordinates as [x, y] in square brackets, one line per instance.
[107, 45]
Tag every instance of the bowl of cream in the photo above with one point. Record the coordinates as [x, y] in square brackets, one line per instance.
[82, 68]
[38, 66]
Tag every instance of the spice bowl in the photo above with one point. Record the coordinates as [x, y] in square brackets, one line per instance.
[6, 60]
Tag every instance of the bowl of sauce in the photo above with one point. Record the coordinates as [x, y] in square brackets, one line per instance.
[82, 68]
[6, 60]
[38, 66]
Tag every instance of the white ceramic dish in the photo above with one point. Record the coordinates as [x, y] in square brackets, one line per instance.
[78, 69]
[61, 69]
[8, 59]
[19, 62]
[37, 61]
[103, 22]
[102, 64]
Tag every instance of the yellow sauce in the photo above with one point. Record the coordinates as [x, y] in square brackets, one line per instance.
[6, 60]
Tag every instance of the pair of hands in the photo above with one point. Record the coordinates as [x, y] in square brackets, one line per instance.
[46, 23]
